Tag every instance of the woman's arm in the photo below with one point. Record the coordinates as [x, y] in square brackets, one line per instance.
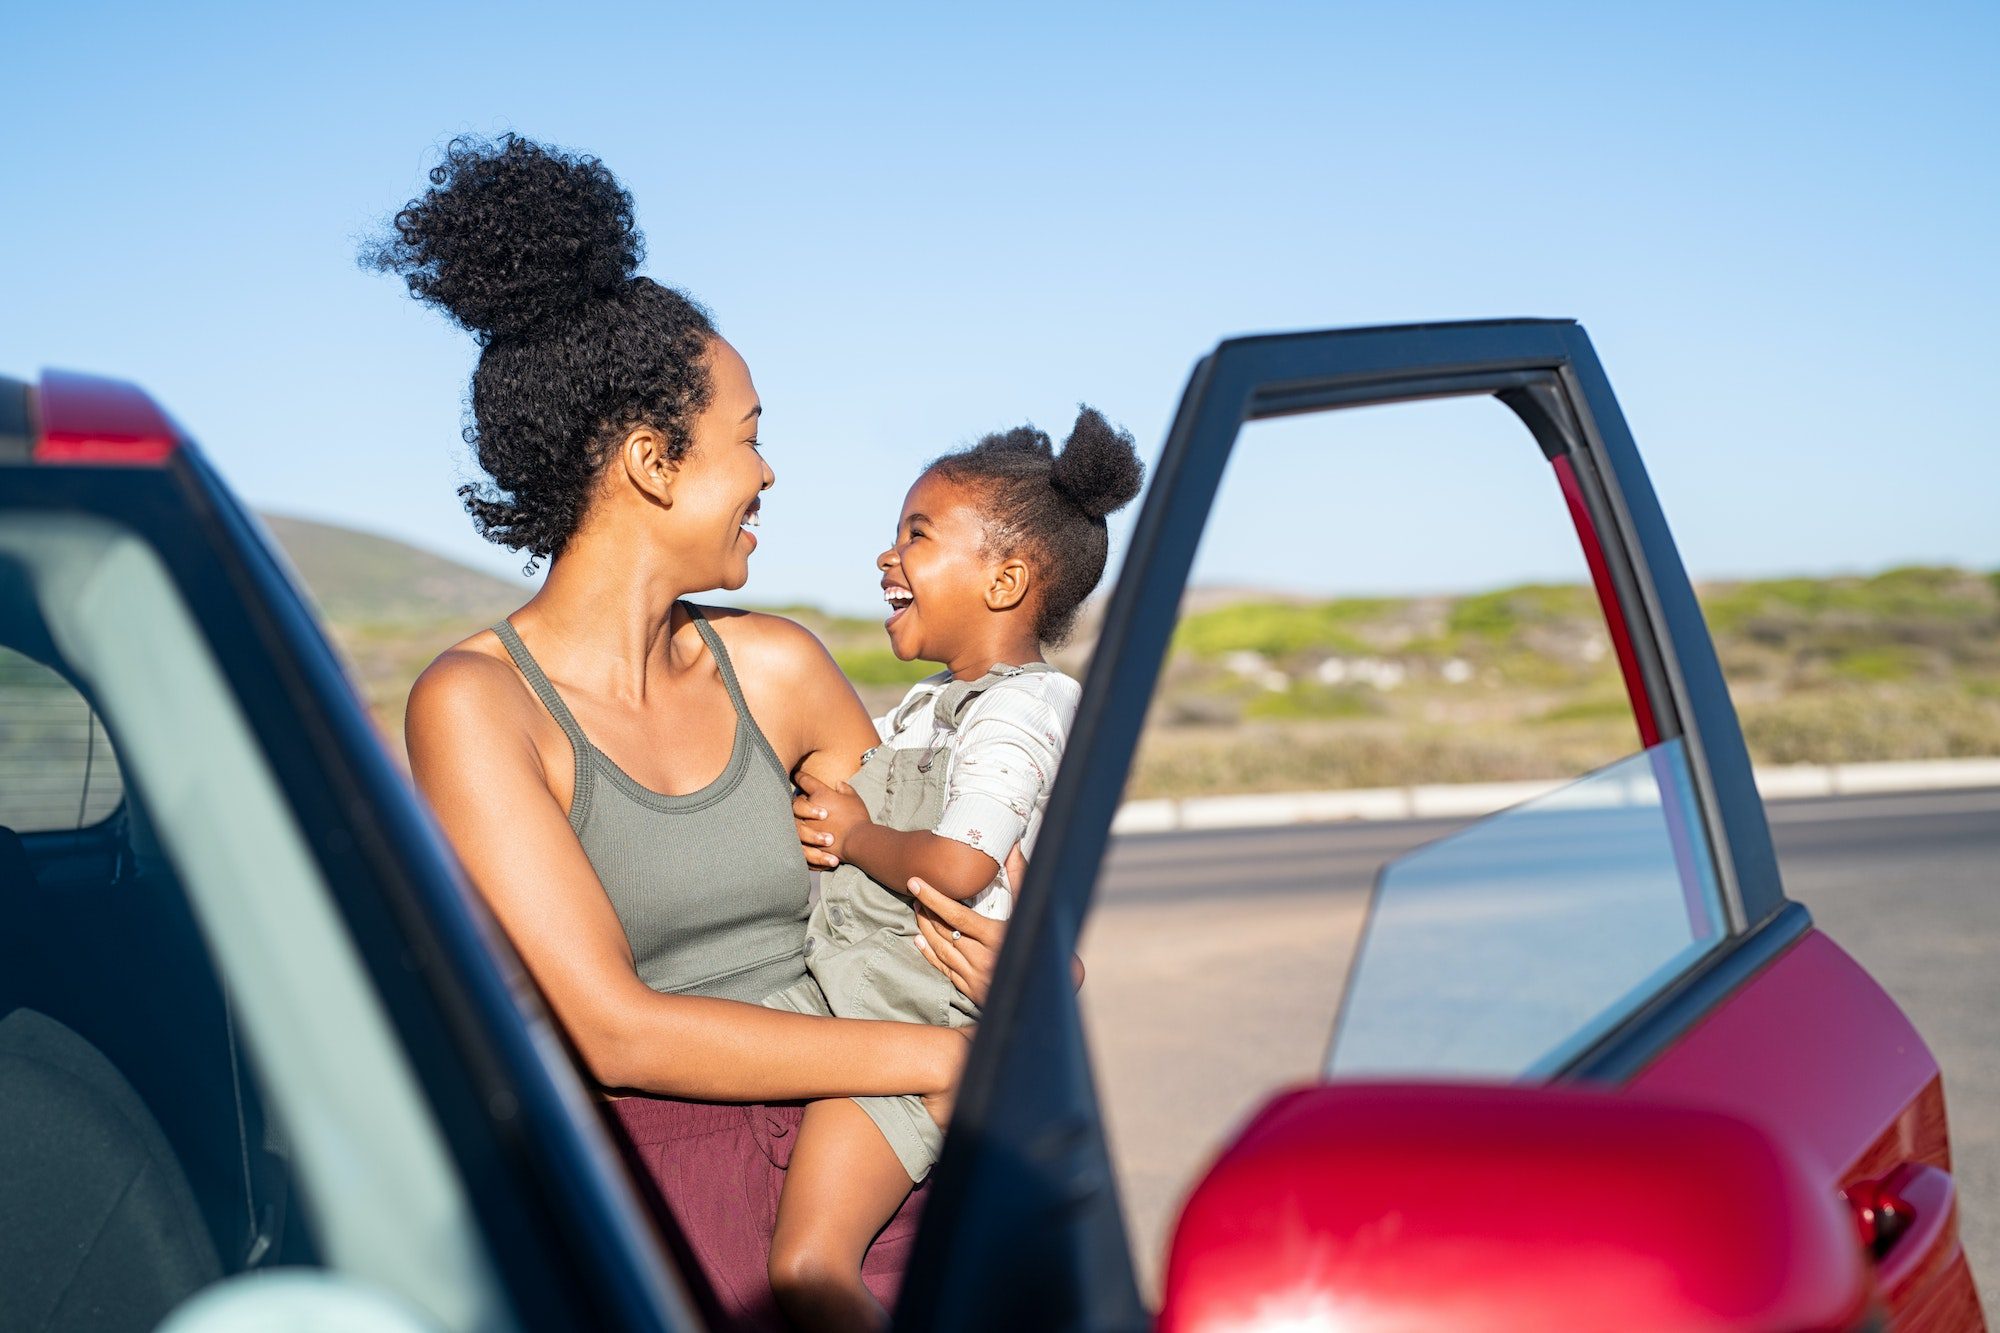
[806, 708]
[473, 756]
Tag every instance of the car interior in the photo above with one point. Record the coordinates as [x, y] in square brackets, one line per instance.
[137, 1161]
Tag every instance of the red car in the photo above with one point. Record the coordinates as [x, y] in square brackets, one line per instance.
[263, 1062]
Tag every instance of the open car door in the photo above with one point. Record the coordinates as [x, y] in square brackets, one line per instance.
[1696, 982]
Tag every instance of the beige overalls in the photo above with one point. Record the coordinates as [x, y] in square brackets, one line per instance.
[861, 941]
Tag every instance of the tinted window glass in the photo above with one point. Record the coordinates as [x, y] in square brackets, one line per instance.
[1505, 949]
[57, 770]
[233, 1095]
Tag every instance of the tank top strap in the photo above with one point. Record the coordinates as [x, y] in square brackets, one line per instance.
[721, 655]
[538, 680]
[545, 690]
[728, 671]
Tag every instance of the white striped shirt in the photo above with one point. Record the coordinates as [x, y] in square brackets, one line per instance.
[999, 764]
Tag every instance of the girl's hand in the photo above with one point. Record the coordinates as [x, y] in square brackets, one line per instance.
[824, 815]
[814, 840]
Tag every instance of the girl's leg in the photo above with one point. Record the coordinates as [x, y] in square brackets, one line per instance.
[843, 1186]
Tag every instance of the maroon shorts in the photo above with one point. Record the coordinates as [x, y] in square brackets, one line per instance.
[717, 1171]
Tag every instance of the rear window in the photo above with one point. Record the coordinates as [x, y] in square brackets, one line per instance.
[57, 770]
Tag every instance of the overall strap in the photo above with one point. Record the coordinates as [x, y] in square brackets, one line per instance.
[579, 744]
[955, 698]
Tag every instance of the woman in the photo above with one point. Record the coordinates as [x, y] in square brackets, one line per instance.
[614, 765]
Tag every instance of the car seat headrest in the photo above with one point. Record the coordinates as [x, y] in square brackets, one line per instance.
[17, 872]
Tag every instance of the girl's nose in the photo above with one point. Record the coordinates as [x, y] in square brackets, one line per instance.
[886, 559]
[770, 479]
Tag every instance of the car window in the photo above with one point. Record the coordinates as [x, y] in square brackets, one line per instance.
[1505, 949]
[182, 967]
[57, 768]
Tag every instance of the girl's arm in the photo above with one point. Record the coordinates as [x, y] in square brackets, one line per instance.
[839, 820]
[473, 757]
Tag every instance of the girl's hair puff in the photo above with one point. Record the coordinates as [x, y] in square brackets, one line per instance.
[1050, 506]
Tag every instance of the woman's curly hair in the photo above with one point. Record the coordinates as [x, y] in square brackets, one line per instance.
[534, 251]
[1051, 506]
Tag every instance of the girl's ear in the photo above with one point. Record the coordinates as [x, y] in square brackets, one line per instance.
[648, 464]
[1009, 586]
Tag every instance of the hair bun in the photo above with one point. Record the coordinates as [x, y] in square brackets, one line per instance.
[513, 236]
[1098, 469]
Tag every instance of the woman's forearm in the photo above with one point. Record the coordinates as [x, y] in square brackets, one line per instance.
[724, 1050]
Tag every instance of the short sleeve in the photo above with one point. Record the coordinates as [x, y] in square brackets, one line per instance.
[1004, 762]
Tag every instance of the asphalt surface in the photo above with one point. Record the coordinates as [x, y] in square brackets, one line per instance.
[1216, 961]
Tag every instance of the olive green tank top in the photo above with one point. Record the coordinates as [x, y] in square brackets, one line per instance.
[710, 887]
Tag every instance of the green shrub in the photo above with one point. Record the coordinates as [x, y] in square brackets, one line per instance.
[1505, 612]
[879, 666]
[1889, 661]
[1311, 699]
[1279, 629]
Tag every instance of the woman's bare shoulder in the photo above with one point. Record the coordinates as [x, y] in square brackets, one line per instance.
[474, 680]
[770, 646]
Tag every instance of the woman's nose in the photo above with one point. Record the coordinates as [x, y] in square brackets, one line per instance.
[770, 479]
[886, 559]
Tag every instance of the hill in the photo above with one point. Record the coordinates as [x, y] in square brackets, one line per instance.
[361, 578]
[391, 606]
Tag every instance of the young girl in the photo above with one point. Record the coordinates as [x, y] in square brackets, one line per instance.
[997, 547]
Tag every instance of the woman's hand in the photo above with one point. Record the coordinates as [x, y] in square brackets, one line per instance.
[958, 941]
[939, 1103]
[964, 945]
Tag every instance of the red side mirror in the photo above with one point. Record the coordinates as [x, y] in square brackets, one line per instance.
[1370, 1208]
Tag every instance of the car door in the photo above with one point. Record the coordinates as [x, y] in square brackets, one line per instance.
[1715, 989]
[225, 906]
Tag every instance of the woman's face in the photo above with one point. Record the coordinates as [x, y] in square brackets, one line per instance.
[715, 497]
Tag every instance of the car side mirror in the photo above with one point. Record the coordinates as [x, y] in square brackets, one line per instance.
[1413, 1207]
[295, 1298]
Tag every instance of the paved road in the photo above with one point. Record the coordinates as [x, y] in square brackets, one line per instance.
[1216, 961]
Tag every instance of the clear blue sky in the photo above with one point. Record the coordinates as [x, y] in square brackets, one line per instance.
[1781, 225]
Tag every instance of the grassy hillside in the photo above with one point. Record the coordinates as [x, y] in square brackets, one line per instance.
[392, 607]
[1273, 693]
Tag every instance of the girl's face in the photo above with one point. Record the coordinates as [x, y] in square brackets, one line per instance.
[717, 486]
[936, 576]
